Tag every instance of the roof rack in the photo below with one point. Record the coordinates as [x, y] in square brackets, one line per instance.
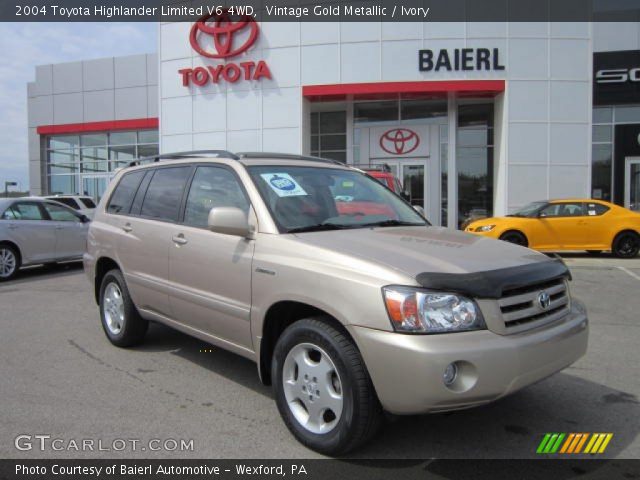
[286, 156]
[180, 155]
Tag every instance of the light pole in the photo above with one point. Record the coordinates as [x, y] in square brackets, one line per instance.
[6, 187]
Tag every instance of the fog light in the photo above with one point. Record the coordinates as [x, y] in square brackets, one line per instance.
[450, 374]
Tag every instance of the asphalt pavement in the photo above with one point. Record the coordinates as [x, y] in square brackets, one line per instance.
[60, 377]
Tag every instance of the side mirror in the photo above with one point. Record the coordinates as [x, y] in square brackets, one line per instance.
[420, 210]
[229, 220]
[84, 219]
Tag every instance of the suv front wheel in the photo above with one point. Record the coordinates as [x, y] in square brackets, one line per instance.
[322, 388]
[121, 321]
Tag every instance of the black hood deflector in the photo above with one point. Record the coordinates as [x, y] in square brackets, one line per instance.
[493, 283]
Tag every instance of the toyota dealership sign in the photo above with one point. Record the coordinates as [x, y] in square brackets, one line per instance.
[218, 36]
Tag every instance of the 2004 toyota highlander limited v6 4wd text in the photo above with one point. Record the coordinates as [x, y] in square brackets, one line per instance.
[346, 313]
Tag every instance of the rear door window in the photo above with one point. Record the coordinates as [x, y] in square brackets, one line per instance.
[69, 202]
[164, 195]
[26, 211]
[88, 202]
[120, 201]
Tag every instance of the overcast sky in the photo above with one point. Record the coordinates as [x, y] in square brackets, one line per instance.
[25, 45]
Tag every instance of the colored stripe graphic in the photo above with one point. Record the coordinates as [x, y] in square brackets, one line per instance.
[573, 443]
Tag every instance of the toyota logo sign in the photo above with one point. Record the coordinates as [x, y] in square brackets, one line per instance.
[399, 141]
[217, 36]
[220, 29]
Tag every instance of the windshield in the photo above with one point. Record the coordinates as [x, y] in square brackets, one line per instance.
[530, 210]
[310, 198]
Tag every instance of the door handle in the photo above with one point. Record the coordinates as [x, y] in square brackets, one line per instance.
[127, 227]
[179, 239]
[12, 227]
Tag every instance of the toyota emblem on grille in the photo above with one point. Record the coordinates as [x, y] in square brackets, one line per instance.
[544, 300]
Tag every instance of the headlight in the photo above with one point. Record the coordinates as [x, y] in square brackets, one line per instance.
[413, 310]
[485, 228]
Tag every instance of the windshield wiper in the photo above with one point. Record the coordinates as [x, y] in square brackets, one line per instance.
[318, 227]
[393, 223]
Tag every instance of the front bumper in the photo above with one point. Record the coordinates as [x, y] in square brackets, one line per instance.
[407, 370]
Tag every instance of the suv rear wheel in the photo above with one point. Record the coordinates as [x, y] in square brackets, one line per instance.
[121, 322]
[322, 388]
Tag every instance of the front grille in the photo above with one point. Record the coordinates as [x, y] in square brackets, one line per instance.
[522, 307]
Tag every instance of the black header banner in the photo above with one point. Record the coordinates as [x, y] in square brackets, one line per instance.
[347, 469]
[323, 10]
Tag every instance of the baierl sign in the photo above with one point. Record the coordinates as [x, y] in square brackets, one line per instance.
[217, 36]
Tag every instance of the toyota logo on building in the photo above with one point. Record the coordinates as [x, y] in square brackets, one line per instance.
[220, 30]
[399, 141]
[544, 300]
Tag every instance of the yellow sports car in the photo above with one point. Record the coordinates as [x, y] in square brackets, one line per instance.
[572, 224]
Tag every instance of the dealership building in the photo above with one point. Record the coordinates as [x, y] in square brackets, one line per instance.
[474, 118]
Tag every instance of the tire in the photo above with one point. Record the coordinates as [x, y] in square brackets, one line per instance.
[122, 324]
[9, 262]
[594, 253]
[514, 237]
[347, 388]
[626, 245]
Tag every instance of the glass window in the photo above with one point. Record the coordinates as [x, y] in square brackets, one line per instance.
[69, 202]
[120, 201]
[333, 142]
[88, 202]
[476, 114]
[58, 213]
[602, 115]
[596, 209]
[563, 210]
[94, 159]
[414, 109]
[63, 161]
[162, 200]
[601, 172]
[475, 137]
[212, 187]
[122, 138]
[59, 184]
[26, 211]
[313, 198]
[376, 111]
[121, 156]
[94, 140]
[333, 122]
[315, 123]
[147, 136]
[147, 150]
[601, 133]
[64, 141]
[627, 114]
[339, 156]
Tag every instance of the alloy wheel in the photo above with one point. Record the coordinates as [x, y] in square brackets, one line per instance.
[8, 262]
[312, 388]
[113, 308]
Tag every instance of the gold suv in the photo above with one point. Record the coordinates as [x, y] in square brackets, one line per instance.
[345, 296]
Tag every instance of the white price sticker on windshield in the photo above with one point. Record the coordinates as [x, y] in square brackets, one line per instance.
[283, 184]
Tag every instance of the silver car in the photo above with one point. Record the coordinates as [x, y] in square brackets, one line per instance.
[35, 231]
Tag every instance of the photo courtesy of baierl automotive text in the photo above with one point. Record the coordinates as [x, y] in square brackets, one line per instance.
[391, 239]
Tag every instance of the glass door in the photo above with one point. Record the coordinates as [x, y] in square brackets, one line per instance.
[413, 180]
[632, 184]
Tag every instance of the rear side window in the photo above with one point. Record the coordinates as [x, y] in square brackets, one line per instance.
[88, 202]
[25, 211]
[69, 202]
[164, 194]
[596, 209]
[120, 201]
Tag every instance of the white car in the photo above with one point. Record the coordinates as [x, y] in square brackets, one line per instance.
[82, 203]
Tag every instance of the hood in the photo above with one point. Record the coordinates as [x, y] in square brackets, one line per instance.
[415, 250]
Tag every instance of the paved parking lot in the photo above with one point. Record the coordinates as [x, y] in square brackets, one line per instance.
[61, 377]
